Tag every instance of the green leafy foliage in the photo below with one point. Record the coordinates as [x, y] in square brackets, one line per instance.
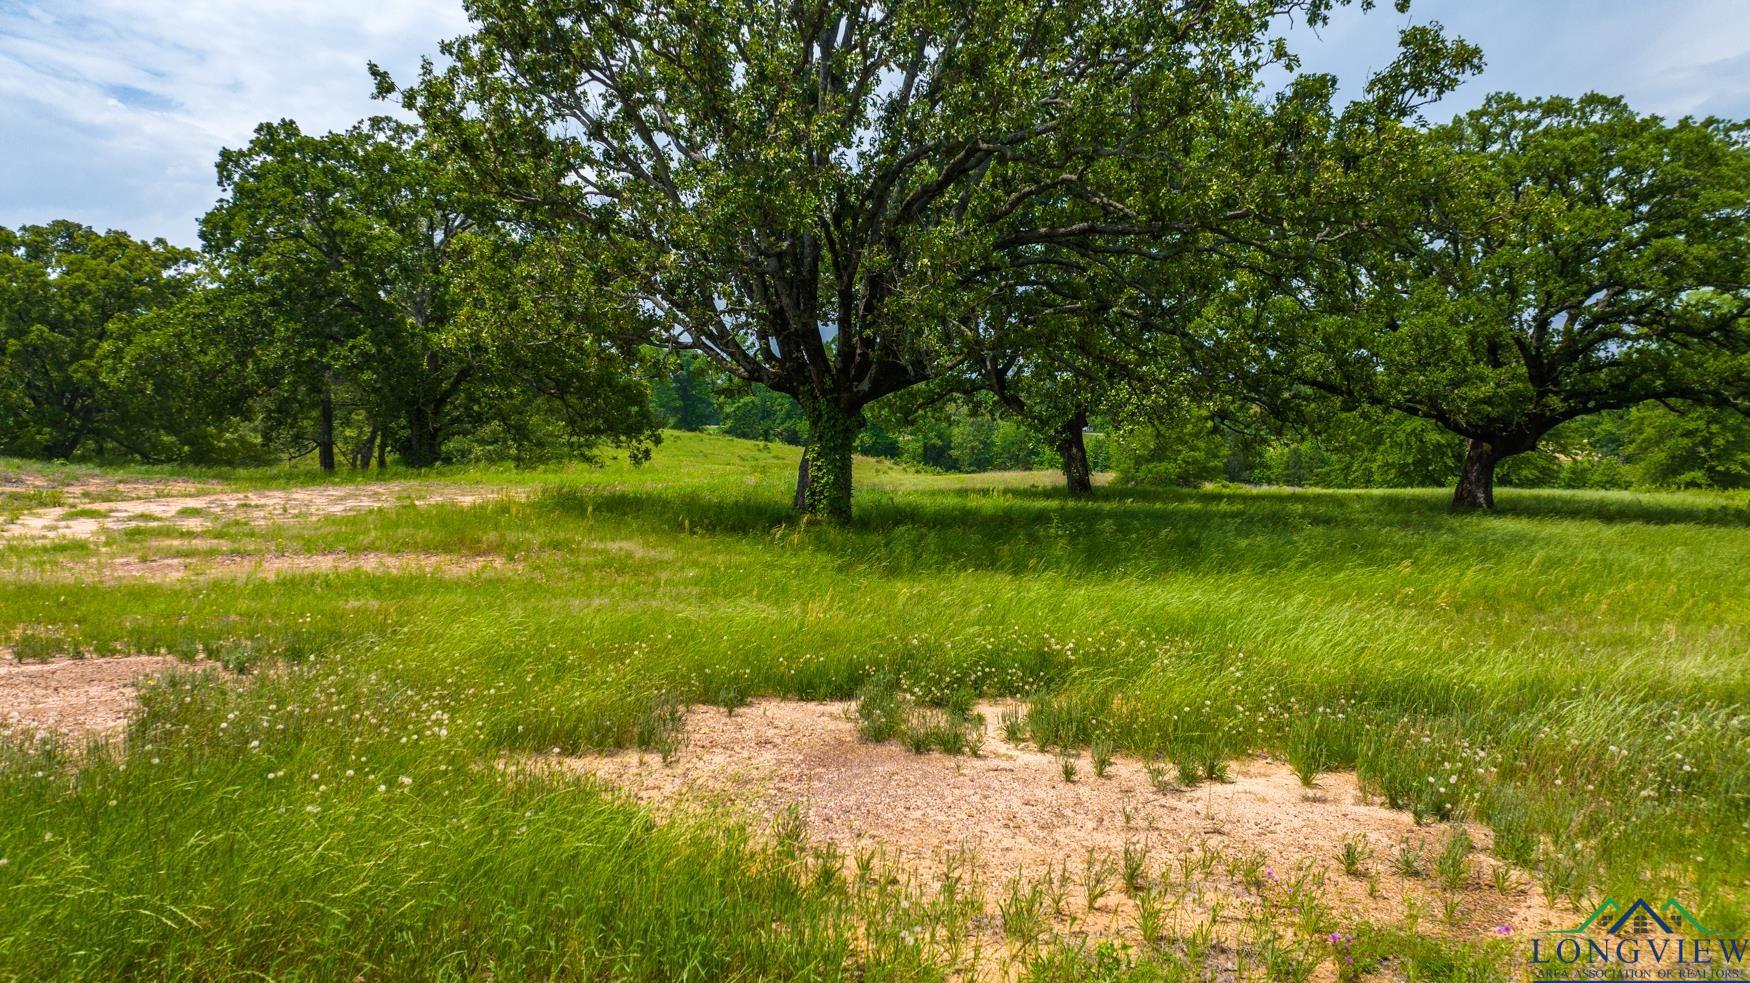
[68, 295]
[844, 201]
[1647, 447]
[365, 283]
[1532, 262]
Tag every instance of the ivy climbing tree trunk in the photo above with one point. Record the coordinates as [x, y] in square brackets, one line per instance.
[823, 484]
[1073, 450]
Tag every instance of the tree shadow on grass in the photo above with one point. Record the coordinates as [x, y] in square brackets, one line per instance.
[1422, 505]
[1146, 532]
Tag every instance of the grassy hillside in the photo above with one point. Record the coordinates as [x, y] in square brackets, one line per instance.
[1571, 670]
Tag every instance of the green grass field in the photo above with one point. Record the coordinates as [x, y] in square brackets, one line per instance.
[1572, 668]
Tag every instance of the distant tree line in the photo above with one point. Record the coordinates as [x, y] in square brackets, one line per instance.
[966, 235]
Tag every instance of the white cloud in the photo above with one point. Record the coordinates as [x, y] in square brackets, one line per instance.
[1665, 56]
[113, 111]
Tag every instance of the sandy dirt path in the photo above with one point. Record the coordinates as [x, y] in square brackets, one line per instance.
[195, 512]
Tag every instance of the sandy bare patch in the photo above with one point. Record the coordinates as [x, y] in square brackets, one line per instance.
[195, 512]
[78, 489]
[97, 491]
[1011, 808]
[242, 565]
[74, 698]
[27, 480]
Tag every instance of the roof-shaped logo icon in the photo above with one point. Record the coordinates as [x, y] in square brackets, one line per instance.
[1639, 918]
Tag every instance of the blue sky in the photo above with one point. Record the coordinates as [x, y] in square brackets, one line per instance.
[112, 111]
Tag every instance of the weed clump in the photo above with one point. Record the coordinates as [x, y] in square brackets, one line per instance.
[884, 714]
[1022, 911]
[1100, 755]
[33, 643]
[1199, 761]
[732, 697]
[1135, 861]
[880, 716]
[1408, 860]
[1319, 742]
[1453, 866]
[1356, 853]
[1430, 774]
[1509, 815]
[1066, 763]
[1098, 874]
[662, 728]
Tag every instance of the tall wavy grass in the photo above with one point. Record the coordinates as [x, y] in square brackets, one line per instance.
[1571, 670]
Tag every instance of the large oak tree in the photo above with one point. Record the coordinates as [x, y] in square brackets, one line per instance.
[1531, 262]
[820, 196]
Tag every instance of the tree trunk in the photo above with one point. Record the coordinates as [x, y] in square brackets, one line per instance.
[382, 452]
[1073, 450]
[361, 458]
[62, 448]
[823, 484]
[62, 445]
[325, 430]
[423, 444]
[1476, 483]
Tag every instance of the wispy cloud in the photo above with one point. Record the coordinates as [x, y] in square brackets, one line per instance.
[112, 111]
[1672, 57]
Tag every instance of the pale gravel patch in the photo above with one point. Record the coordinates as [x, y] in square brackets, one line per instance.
[197, 512]
[102, 491]
[76, 698]
[270, 565]
[1010, 807]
